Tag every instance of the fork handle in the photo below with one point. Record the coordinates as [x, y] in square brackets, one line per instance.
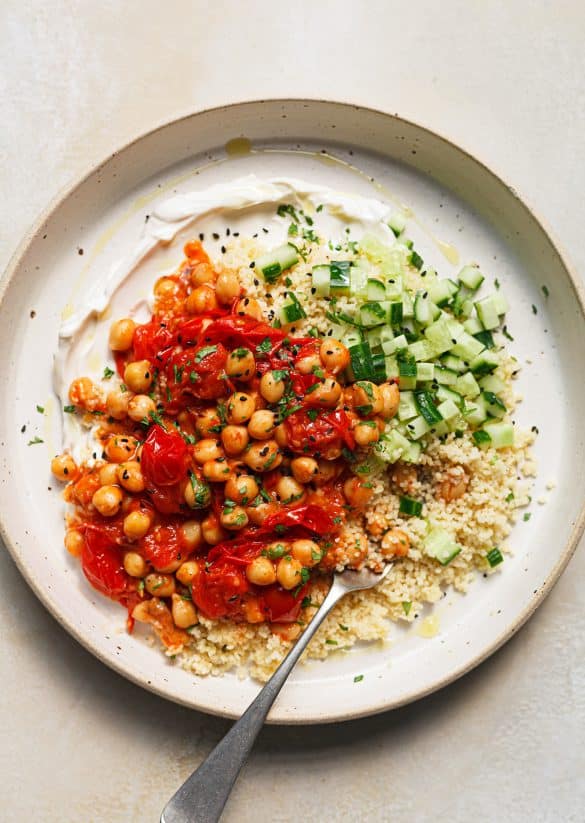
[202, 797]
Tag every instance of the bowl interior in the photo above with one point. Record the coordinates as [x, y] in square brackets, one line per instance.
[456, 201]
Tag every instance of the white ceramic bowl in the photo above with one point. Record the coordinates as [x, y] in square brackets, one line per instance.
[454, 195]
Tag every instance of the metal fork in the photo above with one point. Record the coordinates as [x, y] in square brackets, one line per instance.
[202, 797]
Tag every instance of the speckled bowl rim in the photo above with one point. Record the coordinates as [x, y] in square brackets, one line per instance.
[579, 292]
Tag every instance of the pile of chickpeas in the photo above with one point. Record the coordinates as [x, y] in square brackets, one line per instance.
[236, 453]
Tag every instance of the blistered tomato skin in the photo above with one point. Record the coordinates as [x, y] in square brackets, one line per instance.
[164, 457]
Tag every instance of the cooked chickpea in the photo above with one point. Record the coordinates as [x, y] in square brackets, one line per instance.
[162, 585]
[366, 398]
[307, 552]
[327, 470]
[271, 387]
[207, 423]
[216, 471]
[141, 407]
[288, 572]
[286, 631]
[242, 489]
[135, 565]
[263, 456]
[334, 355]
[233, 518]
[120, 447]
[196, 493]
[207, 449]
[261, 425]
[64, 467]
[304, 469]
[227, 287]
[187, 572]
[190, 535]
[130, 476]
[108, 474]
[235, 439]
[136, 525]
[366, 432]
[74, 542]
[249, 306]
[107, 500]
[83, 392]
[308, 364]
[184, 612]
[241, 364]
[138, 376]
[326, 395]
[122, 334]
[202, 273]
[281, 435]
[356, 492]
[212, 530]
[261, 572]
[117, 403]
[257, 514]
[165, 287]
[395, 543]
[289, 490]
[390, 400]
[240, 408]
[201, 300]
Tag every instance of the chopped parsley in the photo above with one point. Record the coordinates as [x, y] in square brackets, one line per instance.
[406, 607]
[527, 516]
[108, 372]
[34, 441]
[545, 291]
[358, 678]
[205, 352]
[264, 346]
[69, 409]
[40, 409]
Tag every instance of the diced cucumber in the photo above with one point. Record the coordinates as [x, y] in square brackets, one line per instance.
[412, 453]
[426, 407]
[391, 367]
[407, 407]
[502, 434]
[406, 383]
[376, 289]
[448, 410]
[494, 406]
[485, 363]
[391, 260]
[358, 282]
[440, 336]
[406, 364]
[391, 446]
[394, 288]
[472, 326]
[425, 372]
[416, 260]
[487, 313]
[407, 305]
[373, 338]
[339, 277]
[417, 428]
[397, 223]
[272, 264]
[394, 313]
[321, 276]
[361, 365]
[471, 277]
[445, 393]
[442, 291]
[338, 331]
[467, 386]
[420, 350]
[476, 413]
[373, 314]
[352, 338]
[485, 338]
[500, 302]
[481, 439]
[492, 383]
[467, 347]
[450, 361]
[423, 313]
[378, 362]
[391, 346]
[291, 310]
[441, 428]
[446, 377]
[440, 545]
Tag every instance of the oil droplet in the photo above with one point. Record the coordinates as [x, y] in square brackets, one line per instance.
[448, 251]
[238, 147]
[68, 311]
[429, 627]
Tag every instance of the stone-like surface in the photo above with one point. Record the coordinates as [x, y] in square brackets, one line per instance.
[77, 79]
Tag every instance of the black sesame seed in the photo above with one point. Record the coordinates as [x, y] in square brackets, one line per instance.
[215, 235]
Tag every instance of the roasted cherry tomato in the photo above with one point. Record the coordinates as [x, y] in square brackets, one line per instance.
[164, 456]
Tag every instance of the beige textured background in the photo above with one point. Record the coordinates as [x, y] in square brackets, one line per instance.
[505, 79]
